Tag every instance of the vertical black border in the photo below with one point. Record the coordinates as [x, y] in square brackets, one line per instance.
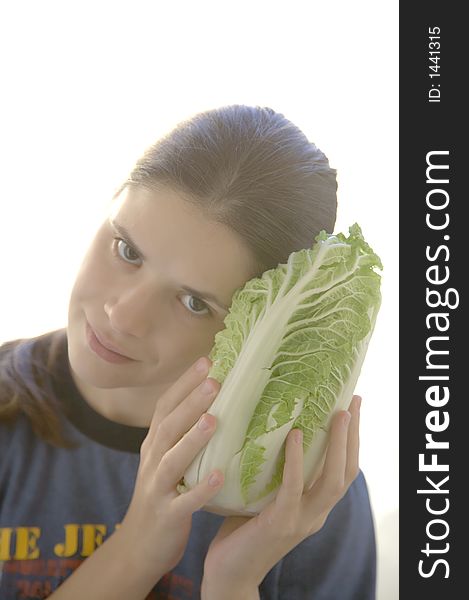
[425, 127]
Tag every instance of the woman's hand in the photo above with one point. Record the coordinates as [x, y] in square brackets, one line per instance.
[158, 521]
[154, 532]
[245, 549]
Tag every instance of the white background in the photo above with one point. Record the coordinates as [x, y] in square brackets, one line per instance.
[86, 86]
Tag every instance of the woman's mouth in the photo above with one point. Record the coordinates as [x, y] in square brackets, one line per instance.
[102, 351]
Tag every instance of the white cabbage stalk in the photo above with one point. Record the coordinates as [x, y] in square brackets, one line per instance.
[289, 357]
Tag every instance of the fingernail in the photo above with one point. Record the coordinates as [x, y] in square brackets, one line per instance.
[204, 423]
[346, 418]
[214, 479]
[207, 387]
[298, 436]
[201, 365]
[358, 401]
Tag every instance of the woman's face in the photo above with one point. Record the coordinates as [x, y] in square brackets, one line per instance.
[136, 291]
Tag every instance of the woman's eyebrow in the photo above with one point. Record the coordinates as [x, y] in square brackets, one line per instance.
[121, 230]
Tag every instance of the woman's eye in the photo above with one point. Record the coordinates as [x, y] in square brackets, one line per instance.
[195, 305]
[124, 251]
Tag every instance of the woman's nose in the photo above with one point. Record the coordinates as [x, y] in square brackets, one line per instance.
[134, 312]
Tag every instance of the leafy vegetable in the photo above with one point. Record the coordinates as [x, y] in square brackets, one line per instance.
[289, 357]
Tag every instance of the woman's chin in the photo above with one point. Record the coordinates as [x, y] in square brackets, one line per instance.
[94, 371]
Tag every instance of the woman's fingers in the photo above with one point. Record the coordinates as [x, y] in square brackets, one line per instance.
[291, 490]
[192, 392]
[330, 487]
[186, 414]
[176, 460]
[200, 495]
[182, 387]
[180, 428]
[353, 441]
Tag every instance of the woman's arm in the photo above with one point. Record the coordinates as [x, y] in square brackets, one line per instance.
[154, 532]
[112, 572]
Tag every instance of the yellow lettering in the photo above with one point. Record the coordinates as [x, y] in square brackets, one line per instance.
[26, 543]
[93, 536]
[70, 544]
[5, 543]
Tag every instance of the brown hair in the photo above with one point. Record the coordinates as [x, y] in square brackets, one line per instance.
[247, 167]
[25, 387]
[251, 169]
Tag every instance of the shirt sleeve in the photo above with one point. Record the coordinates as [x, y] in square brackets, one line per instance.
[338, 562]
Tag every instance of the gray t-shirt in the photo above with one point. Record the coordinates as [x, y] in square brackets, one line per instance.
[58, 504]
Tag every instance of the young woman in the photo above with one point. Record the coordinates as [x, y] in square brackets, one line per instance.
[99, 421]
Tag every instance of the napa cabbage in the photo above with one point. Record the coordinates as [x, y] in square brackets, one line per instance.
[289, 357]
